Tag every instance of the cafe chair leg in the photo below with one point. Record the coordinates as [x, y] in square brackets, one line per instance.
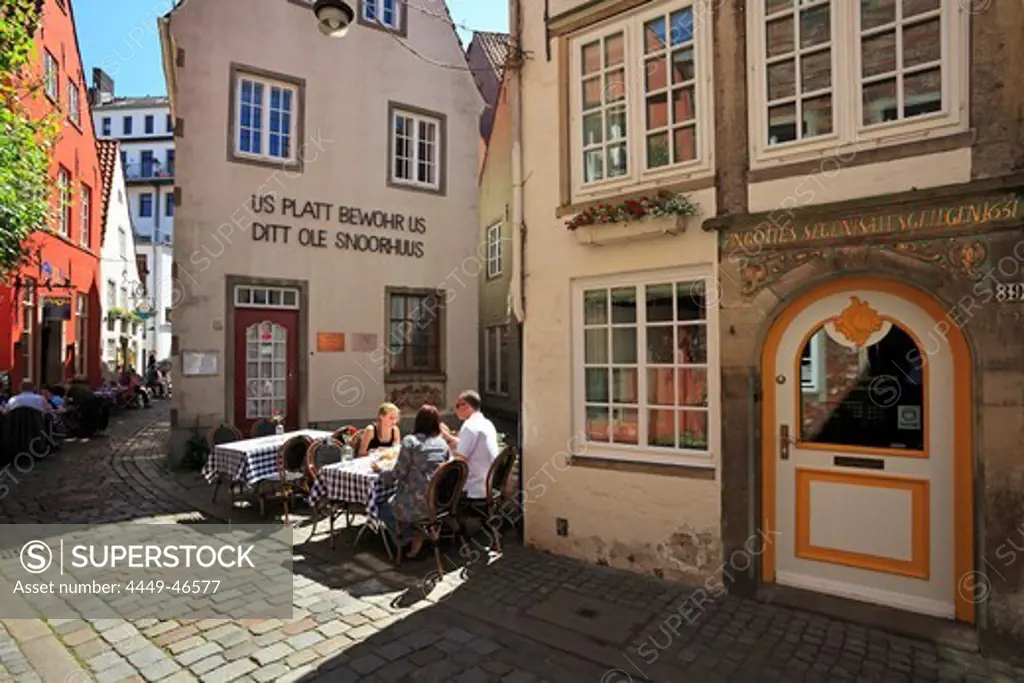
[216, 487]
[317, 512]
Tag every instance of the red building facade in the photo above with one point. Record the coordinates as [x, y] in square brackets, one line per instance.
[51, 307]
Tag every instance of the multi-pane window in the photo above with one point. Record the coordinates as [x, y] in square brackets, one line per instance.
[51, 83]
[146, 205]
[603, 91]
[105, 126]
[147, 163]
[827, 73]
[670, 89]
[494, 251]
[28, 324]
[148, 124]
[85, 233]
[126, 125]
[74, 108]
[383, 12]
[798, 58]
[111, 303]
[414, 332]
[81, 332]
[645, 365]
[169, 205]
[266, 370]
[639, 103]
[416, 150]
[901, 59]
[266, 119]
[64, 201]
[496, 360]
[266, 297]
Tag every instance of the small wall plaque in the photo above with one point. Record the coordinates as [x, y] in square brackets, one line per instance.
[364, 343]
[199, 363]
[330, 342]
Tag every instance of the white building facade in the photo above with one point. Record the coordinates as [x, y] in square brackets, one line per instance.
[121, 282]
[326, 240]
[144, 128]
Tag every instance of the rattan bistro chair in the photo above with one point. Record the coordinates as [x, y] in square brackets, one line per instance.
[224, 433]
[320, 453]
[443, 495]
[489, 510]
[291, 475]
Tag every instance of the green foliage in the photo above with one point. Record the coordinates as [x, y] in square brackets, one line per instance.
[25, 143]
[196, 451]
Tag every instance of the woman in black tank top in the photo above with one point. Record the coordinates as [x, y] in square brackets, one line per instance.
[382, 433]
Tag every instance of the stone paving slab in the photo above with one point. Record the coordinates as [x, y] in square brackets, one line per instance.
[523, 617]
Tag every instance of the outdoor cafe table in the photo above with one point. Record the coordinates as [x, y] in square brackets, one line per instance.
[248, 461]
[354, 482]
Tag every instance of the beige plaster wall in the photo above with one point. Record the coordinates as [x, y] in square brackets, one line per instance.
[348, 84]
[666, 522]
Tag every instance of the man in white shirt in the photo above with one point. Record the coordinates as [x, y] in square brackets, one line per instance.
[477, 442]
[28, 398]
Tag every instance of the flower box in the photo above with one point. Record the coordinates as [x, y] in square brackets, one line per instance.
[643, 229]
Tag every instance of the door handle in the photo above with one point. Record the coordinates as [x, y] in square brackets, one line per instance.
[784, 442]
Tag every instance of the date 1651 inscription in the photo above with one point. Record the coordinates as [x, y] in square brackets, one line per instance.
[779, 230]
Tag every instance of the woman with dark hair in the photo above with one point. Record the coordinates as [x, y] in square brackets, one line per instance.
[423, 452]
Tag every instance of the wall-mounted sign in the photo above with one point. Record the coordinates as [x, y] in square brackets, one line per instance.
[56, 308]
[780, 231]
[199, 363]
[364, 343]
[330, 342]
[323, 238]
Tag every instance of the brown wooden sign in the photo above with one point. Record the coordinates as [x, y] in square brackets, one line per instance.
[780, 231]
[330, 342]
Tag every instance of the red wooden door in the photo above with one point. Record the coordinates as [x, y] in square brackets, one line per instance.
[266, 366]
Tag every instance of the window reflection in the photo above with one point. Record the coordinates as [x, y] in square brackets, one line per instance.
[872, 397]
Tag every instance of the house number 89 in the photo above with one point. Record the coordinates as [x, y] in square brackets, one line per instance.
[1011, 291]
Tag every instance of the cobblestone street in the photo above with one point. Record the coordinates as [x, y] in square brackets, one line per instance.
[524, 616]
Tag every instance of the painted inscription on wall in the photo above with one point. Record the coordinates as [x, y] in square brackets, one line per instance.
[278, 228]
[911, 224]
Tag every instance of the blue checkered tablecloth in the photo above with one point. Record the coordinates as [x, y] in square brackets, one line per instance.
[352, 481]
[251, 460]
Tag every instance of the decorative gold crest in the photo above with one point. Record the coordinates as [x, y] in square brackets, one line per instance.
[858, 321]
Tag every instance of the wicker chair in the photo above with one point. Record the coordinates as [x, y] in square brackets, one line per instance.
[488, 510]
[224, 433]
[443, 495]
[291, 475]
[320, 453]
[262, 428]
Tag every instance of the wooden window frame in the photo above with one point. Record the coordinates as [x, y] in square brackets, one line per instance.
[849, 134]
[433, 300]
[495, 252]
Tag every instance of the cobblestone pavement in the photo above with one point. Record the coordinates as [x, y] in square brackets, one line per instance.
[521, 617]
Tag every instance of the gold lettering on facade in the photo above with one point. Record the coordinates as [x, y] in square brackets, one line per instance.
[904, 224]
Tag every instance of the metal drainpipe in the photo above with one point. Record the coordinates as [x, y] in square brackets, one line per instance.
[156, 271]
[515, 103]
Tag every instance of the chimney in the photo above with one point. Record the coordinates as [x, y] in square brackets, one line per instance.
[102, 90]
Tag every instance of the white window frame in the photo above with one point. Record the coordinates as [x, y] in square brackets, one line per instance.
[495, 251]
[642, 453]
[51, 76]
[816, 368]
[74, 108]
[245, 297]
[414, 161]
[849, 135]
[377, 7]
[64, 201]
[268, 84]
[632, 26]
[494, 337]
[85, 228]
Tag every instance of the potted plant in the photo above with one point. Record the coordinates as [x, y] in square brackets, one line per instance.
[277, 418]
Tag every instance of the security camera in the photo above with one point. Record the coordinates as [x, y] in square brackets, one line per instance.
[333, 17]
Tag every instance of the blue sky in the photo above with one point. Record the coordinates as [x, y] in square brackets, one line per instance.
[120, 37]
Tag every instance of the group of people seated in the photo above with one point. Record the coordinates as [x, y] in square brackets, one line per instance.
[422, 453]
[62, 405]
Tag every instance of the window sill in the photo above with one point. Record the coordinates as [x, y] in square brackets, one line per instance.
[428, 376]
[412, 187]
[646, 462]
[266, 162]
[631, 191]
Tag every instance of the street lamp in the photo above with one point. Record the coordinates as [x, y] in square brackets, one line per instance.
[333, 17]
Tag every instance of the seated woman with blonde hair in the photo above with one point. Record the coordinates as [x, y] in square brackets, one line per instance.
[383, 432]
